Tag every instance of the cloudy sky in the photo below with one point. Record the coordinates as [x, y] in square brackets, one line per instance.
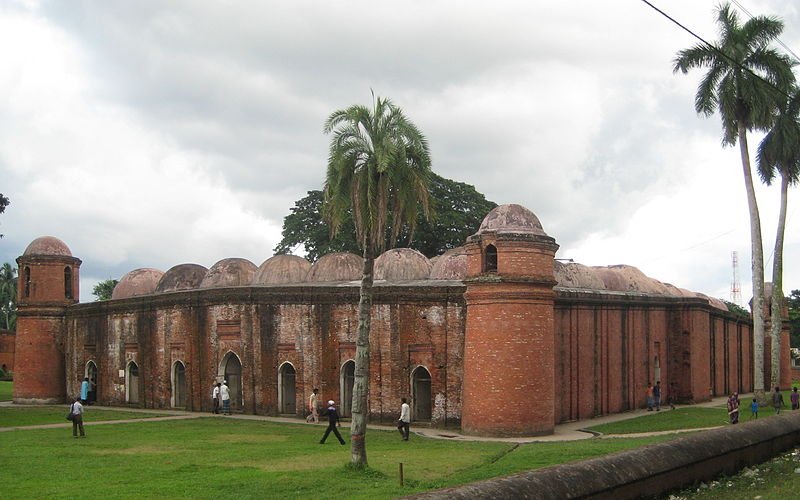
[152, 133]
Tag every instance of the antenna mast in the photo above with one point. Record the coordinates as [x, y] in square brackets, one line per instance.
[736, 289]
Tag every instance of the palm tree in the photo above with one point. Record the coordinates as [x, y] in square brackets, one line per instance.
[8, 294]
[779, 152]
[743, 71]
[378, 168]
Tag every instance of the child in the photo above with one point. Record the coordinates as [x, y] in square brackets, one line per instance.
[794, 397]
[754, 409]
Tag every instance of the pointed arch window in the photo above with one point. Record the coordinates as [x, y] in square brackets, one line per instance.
[27, 281]
[490, 259]
[68, 282]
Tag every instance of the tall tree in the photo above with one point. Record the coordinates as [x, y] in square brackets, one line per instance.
[794, 317]
[378, 171]
[742, 70]
[457, 210]
[4, 202]
[103, 289]
[8, 295]
[779, 153]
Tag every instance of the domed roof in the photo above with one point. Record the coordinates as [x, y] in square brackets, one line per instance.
[574, 275]
[451, 265]
[48, 245]
[339, 266]
[282, 269]
[229, 272]
[622, 278]
[182, 277]
[400, 264]
[142, 281]
[511, 218]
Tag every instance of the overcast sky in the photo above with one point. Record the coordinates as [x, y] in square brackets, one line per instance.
[152, 133]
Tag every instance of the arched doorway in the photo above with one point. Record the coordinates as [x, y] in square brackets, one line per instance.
[421, 394]
[286, 389]
[132, 383]
[347, 377]
[231, 370]
[179, 385]
[91, 373]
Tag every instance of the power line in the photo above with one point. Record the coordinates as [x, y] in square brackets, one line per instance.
[780, 42]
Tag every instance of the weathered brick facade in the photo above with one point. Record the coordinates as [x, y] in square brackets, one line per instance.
[500, 351]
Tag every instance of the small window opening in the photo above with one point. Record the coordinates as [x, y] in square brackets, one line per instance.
[68, 282]
[490, 259]
[27, 281]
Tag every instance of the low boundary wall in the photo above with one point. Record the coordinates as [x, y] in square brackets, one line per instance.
[647, 471]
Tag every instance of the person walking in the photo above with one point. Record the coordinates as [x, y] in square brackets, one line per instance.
[215, 398]
[794, 397]
[657, 395]
[312, 407]
[777, 400]
[754, 409]
[76, 410]
[85, 390]
[733, 408]
[649, 395]
[405, 419]
[333, 422]
[225, 395]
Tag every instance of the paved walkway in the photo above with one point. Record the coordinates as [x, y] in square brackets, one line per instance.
[570, 431]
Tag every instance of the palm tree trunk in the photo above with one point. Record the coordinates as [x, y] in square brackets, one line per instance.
[757, 268]
[358, 426]
[777, 286]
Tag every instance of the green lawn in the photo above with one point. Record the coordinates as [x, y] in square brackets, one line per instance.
[5, 390]
[680, 418]
[219, 457]
[26, 415]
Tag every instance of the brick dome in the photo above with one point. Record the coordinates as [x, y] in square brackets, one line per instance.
[229, 272]
[142, 281]
[451, 265]
[340, 266]
[623, 278]
[511, 218]
[282, 269]
[182, 277]
[48, 245]
[400, 264]
[574, 275]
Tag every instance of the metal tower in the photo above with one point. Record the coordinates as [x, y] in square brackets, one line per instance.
[736, 289]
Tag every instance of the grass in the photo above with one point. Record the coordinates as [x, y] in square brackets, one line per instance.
[213, 457]
[6, 387]
[681, 418]
[24, 416]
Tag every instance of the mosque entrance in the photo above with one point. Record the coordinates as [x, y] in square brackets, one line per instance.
[287, 389]
[232, 373]
[91, 374]
[132, 383]
[347, 377]
[178, 385]
[421, 394]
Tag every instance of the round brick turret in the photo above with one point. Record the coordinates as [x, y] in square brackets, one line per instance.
[49, 278]
[509, 341]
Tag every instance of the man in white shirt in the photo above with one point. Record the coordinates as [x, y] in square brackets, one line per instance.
[215, 398]
[312, 407]
[225, 394]
[405, 419]
[76, 410]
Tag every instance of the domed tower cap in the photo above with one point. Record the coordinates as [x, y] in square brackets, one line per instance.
[182, 277]
[48, 245]
[511, 219]
[281, 269]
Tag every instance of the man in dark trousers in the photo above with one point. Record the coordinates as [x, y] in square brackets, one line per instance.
[333, 421]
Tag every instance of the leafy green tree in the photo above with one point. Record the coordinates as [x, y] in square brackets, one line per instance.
[378, 173]
[4, 202]
[779, 153]
[741, 67]
[104, 289]
[8, 296]
[794, 317]
[457, 211]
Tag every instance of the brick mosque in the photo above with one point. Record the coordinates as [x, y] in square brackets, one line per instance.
[497, 336]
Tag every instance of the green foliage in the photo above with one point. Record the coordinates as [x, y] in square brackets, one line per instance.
[736, 309]
[4, 202]
[794, 317]
[457, 211]
[104, 289]
[8, 297]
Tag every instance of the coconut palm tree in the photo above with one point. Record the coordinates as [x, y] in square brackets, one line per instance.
[743, 72]
[379, 169]
[8, 295]
[779, 152]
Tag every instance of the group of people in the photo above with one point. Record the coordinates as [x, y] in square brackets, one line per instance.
[777, 403]
[654, 395]
[403, 423]
[221, 393]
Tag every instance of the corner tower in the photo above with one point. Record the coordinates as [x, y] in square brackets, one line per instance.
[48, 284]
[509, 340]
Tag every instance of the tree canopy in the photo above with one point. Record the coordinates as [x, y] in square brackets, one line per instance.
[457, 211]
[103, 289]
[8, 296]
[4, 202]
